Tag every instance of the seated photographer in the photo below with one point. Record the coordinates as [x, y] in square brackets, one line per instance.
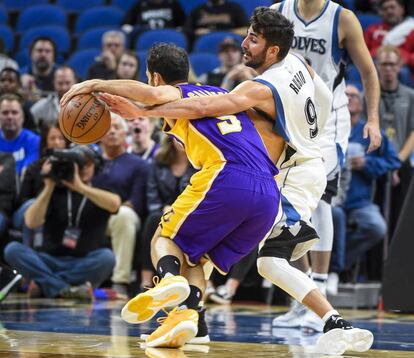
[32, 185]
[72, 258]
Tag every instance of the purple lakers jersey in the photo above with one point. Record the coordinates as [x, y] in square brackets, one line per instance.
[214, 140]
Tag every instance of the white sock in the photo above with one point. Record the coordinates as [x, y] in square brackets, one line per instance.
[329, 314]
[320, 279]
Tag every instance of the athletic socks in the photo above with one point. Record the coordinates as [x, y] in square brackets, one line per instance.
[320, 279]
[193, 300]
[168, 266]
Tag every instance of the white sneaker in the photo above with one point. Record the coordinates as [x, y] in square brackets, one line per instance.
[311, 323]
[332, 283]
[292, 318]
[221, 296]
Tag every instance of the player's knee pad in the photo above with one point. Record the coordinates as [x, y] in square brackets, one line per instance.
[323, 222]
[282, 274]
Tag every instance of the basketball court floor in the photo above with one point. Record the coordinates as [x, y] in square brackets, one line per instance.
[62, 328]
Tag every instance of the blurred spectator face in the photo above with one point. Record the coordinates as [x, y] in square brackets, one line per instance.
[114, 45]
[63, 80]
[389, 66]
[127, 67]
[55, 139]
[42, 55]
[11, 117]
[140, 129]
[87, 172]
[116, 135]
[391, 12]
[354, 101]
[230, 57]
[9, 82]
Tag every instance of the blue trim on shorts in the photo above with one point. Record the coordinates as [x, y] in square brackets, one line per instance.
[341, 155]
[280, 122]
[336, 51]
[281, 6]
[292, 216]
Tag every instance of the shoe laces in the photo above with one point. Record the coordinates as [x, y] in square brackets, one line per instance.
[169, 315]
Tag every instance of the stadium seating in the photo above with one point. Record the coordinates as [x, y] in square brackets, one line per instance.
[125, 5]
[14, 5]
[99, 16]
[80, 61]
[210, 42]
[249, 6]
[7, 35]
[59, 35]
[368, 19]
[203, 62]
[41, 15]
[92, 38]
[142, 57]
[78, 6]
[188, 5]
[150, 37]
[3, 15]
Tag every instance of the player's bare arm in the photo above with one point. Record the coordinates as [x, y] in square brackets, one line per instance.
[133, 90]
[247, 95]
[351, 37]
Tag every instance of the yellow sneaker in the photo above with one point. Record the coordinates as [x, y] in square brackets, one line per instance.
[168, 292]
[179, 327]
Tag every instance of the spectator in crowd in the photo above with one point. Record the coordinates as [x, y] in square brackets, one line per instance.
[141, 131]
[396, 29]
[38, 75]
[6, 61]
[74, 215]
[46, 110]
[231, 71]
[397, 120]
[50, 138]
[10, 83]
[366, 224]
[153, 14]
[113, 45]
[370, 6]
[128, 66]
[216, 15]
[21, 142]
[7, 192]
[125, 174]
[8, 280]
[169, 174]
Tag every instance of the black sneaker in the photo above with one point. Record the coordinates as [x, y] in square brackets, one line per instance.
[340, 336]
[82, 292]
[8, 280]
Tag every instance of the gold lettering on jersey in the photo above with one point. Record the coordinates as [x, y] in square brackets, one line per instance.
[202, 93]
[298, 81]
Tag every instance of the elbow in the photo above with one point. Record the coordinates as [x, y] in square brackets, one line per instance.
[30, 222]
[115, 204]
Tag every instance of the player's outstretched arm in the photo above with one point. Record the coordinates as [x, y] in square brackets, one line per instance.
[133, 90]
[357, 49]
[246, 95]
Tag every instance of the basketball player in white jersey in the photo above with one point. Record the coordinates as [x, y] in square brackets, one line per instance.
[324, 31]
[297, 103]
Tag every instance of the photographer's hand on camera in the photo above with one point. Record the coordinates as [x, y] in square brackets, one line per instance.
[76, 184]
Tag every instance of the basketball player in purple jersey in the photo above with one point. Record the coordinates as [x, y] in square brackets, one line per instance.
[229, 207]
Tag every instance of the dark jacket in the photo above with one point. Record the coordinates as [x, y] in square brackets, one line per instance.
[163, 187]
[7, 183]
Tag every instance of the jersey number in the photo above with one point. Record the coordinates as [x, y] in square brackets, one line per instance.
[311, 118]
[229, 124]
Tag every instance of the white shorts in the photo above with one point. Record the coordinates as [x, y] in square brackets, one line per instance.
[334, 140]
[301, 187]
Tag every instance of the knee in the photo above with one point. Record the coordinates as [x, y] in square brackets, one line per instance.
[265, 265]
[12, 251]
[126, 216]
[107, 258]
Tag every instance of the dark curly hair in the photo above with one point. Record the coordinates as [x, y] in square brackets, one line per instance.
[274, 27]
[170, 61]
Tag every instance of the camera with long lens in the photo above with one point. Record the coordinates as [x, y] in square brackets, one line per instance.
[63, 161]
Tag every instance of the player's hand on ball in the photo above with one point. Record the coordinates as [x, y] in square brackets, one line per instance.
[79, 88]
[372, 131]
[122, 106]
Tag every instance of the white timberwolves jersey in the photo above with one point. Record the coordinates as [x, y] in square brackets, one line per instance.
[296, 121]
[317, 42]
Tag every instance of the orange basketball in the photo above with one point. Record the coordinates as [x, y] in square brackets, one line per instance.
[84, 119]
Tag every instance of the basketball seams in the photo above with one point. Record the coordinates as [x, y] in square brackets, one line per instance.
[96, 122]
[79, 112]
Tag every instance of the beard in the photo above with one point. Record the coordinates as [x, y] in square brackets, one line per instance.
[255, 61]
[41, 65]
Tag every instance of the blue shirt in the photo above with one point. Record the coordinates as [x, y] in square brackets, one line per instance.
[377, 163]
[126, 175]
[25, 148]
